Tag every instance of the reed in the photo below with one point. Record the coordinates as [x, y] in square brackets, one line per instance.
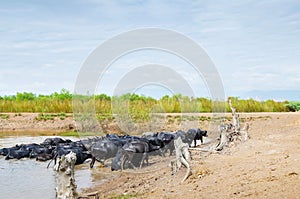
[138, 107]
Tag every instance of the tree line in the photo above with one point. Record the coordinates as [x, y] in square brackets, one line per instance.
[58, 102]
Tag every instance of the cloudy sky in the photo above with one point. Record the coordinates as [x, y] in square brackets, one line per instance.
[255, 45]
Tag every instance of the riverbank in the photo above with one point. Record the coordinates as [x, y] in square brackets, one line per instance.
[36, 122]
[58, 122]
[266, 166]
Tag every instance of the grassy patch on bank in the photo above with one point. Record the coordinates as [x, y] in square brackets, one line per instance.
[4, 116]
[50, 116]
[125, 196]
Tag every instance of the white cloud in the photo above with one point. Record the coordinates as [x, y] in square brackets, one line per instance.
[253, 44]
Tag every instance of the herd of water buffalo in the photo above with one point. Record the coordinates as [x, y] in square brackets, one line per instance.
[126, 151]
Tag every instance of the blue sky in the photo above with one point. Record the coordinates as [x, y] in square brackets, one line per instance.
[255, 45]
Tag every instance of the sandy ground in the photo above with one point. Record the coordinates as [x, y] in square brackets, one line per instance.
[266, 166]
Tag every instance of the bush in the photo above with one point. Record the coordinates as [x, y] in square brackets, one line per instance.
[293, 106]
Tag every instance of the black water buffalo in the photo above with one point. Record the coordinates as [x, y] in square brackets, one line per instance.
[81, 154]
[155, 141]
[108, 146]
[41, 152]
[103, 150]
[187, 137]
[88, 143]
[127, 151]
[17, 154]
[50, 148]
[54, 141]
[196, 134]
[116, 162]
[130, 155]
[44, 157]
[118, 140]
[133, 154]
[20, 151]
[4, 151]
[167, 140]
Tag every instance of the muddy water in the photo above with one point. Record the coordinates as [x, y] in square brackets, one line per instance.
[27, 178]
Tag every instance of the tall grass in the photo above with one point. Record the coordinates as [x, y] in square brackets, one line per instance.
[137, 106]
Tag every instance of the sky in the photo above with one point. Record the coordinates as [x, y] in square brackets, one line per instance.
[255, 45]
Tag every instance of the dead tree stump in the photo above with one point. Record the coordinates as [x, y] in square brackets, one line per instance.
[232, 133]
[65, 181]
[182, 157]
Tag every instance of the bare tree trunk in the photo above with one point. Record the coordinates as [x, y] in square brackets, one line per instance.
[244, 132]
[65, 181]
[230, 133]
[223, 140]
[235, 117]
[182, 157]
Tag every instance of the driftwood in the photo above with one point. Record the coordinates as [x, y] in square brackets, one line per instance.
[65, 181]
[232, 133]
[182, 157]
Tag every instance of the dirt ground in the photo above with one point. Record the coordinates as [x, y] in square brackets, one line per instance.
[20, 122]
[265, 166]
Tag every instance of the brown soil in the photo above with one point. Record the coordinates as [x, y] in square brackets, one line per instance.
[266, 166]
[29, 122]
